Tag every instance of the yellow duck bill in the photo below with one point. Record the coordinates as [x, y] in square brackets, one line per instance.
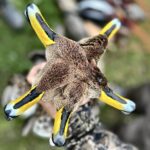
[38, 23]
[17, 107]
[109, 97]
[60, 127]
[111, 28]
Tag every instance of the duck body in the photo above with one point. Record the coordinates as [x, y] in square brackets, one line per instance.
[69, 73]
[68, 76]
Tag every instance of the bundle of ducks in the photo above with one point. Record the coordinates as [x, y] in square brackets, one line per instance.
[70, 76]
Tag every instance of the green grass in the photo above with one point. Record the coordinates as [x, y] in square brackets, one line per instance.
[127, 66]
[10, 138]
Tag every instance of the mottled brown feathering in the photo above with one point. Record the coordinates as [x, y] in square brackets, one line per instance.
[74, 92]
[70, 70]
[54, 76]
[95, 46]
[71, 51]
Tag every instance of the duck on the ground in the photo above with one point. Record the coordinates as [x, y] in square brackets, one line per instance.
[69, 76]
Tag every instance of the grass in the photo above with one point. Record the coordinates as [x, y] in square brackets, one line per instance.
[127, 66]
[11, 139]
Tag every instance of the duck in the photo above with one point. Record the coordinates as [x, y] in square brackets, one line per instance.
[86, 132]
[69, 75]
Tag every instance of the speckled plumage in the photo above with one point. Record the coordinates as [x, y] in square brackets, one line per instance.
[69, 69]
[69, 76]
[86, 132]
[95, 46]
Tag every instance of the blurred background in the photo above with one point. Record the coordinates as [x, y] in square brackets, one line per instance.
[126, 63]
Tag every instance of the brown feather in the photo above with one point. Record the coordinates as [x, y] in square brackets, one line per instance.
[68, 73]
[95, 46]
[55, 76]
